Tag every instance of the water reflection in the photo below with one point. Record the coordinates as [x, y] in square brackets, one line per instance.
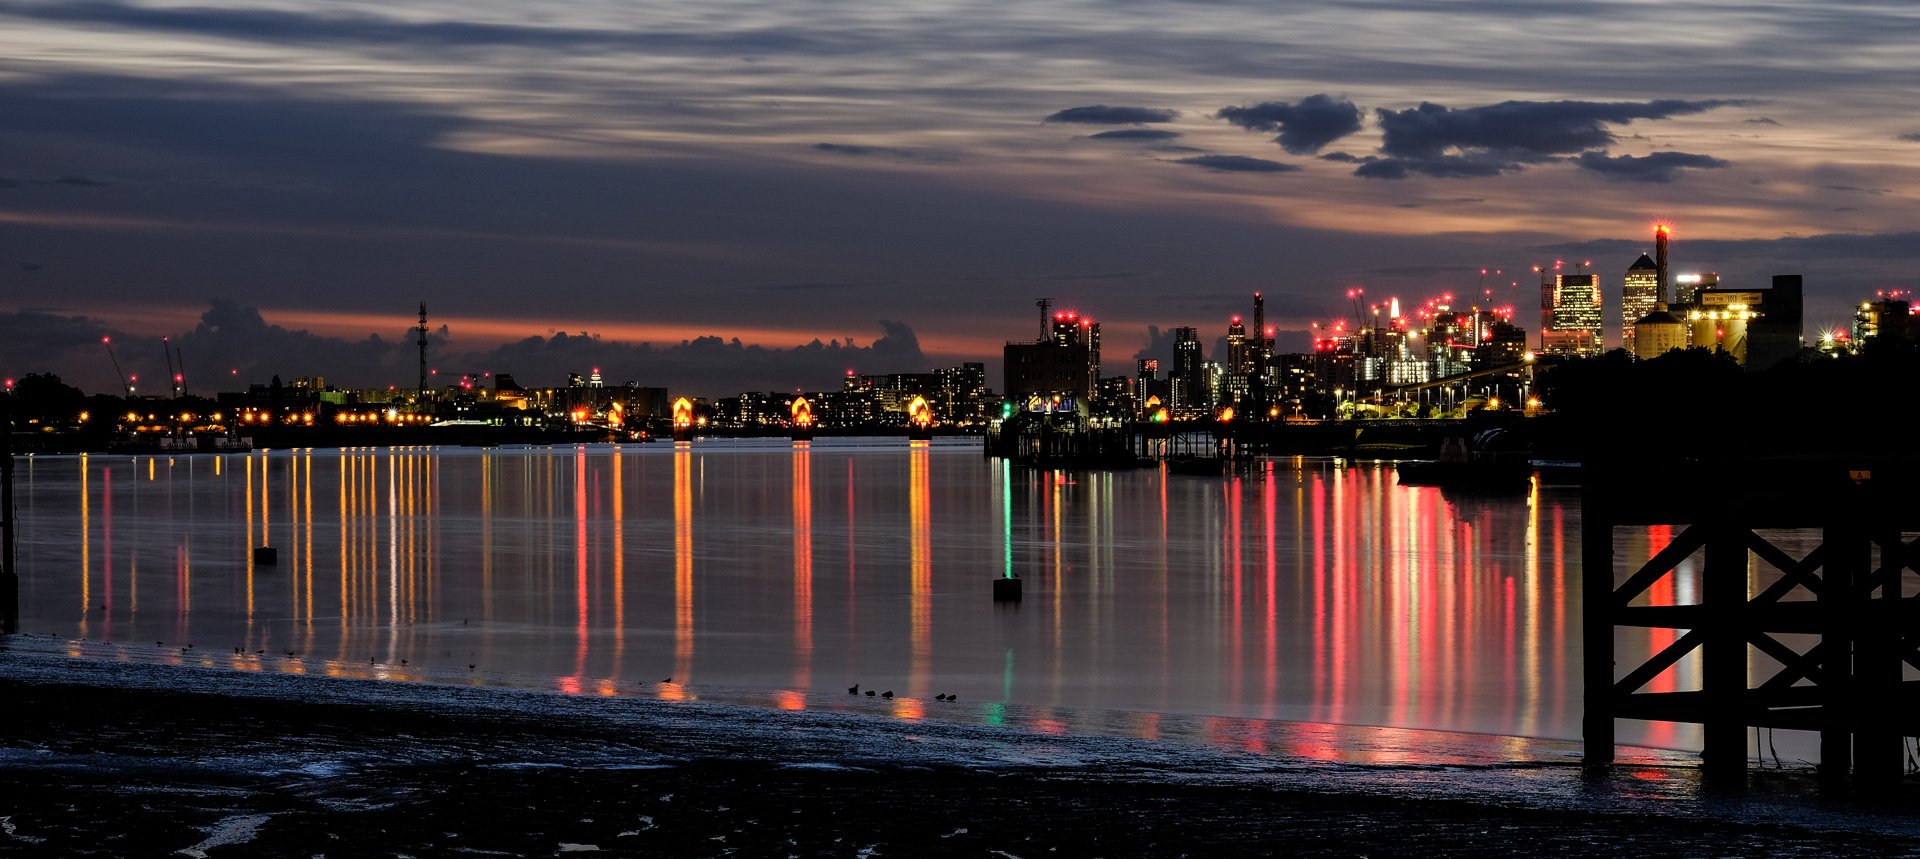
[682, 573]
[1303, 590]
[802, 567]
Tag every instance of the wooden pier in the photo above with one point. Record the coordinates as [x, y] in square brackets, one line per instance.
[1060, 440]
[1822, 642]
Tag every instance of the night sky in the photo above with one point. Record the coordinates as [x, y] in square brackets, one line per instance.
[728, 196]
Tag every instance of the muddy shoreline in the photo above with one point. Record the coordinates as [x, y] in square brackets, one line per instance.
[115, 760]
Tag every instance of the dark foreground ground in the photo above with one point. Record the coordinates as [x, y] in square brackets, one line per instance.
[121, 761]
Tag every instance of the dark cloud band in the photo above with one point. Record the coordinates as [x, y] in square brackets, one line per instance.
[1137, 135]
[1304, 128]
[1660, 167]
[1435, 140]
[1100, 114]
[1238, 164]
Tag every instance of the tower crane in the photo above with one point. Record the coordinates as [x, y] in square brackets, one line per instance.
[124, 384]
[166, 349]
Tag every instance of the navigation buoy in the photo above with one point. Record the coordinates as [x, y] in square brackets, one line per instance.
[1006, 589]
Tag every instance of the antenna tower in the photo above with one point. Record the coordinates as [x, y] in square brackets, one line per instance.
[1045, 304]
[1660, 232]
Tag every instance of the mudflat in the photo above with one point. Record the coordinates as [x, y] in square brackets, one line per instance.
[116, 760]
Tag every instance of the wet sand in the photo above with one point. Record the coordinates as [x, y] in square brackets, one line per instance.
[115, 759]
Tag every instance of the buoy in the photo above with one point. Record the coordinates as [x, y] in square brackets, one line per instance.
[266, 555]
[1006, 589]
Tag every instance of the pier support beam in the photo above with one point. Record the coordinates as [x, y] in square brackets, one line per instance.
[1596, 619]
[1848, 556]
[9, 575]
[1830, 630]
[1724, 656]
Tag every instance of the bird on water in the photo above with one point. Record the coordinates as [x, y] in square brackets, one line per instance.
[854, 689]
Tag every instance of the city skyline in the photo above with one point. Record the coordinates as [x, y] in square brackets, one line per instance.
[898, 186]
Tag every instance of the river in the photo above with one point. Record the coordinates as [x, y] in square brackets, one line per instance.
[780, 574]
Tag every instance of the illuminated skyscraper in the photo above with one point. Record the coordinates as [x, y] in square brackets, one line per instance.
[1147, 382]
[1687, 287]
[1239, 363]
[1187, 369]
[1071, 328]
[1640, 294]
[1572, 310]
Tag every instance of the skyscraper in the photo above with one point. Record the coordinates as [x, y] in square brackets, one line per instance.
[1687, 287]
[1640, 294]
[1186, 368]
[1571, 305]
[1239, 363]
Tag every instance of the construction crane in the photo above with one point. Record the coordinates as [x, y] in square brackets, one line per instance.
[166, 351]
[125, 385]
[179, 374]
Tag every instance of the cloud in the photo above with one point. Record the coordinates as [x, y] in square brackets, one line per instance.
[234, 344]
[861, 149]
[1100, 114]
[353, 29]
[817, 286]
[35, 341]
[8, 183]
[1435, 140]
[1858, 190]
[1237, 164]
[80, 181]
[1098, 275]
[1911, 138]
[1148, 135]
[1305, 127]
[1659, 167]
[1474, 166]
[1762, 120]
[707, 366]
[1159, 345]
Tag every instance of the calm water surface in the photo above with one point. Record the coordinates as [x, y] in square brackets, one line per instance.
[780, 573]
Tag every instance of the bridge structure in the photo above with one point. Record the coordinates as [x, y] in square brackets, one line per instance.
[1455, 380]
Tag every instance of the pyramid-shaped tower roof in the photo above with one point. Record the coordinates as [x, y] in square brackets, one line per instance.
[1644, 263]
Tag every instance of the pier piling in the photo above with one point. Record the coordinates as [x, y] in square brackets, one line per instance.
[1818, 643]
